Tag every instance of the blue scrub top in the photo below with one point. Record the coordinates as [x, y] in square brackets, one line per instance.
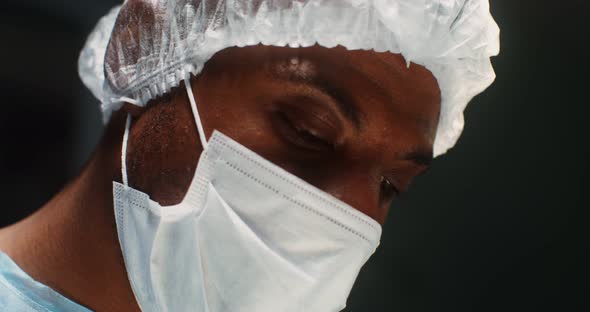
[19, 292]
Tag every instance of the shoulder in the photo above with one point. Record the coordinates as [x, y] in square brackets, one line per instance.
[11, 299]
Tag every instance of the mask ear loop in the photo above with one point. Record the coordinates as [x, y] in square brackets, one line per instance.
[124, 151]
[125, 139]
[196, 115]
[191, 98]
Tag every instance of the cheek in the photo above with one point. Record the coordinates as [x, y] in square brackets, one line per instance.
[352, 183]
[163, 152]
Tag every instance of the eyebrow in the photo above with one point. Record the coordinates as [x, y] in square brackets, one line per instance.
[419, 156]
[343, 100]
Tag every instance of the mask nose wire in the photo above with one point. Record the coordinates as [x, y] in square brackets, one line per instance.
[191, 98]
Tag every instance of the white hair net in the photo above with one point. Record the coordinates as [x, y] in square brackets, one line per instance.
[145, 48]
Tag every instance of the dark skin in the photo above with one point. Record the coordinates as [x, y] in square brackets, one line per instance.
[356, 124]
[347, 122]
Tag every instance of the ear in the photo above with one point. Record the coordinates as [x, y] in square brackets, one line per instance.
[132, 109]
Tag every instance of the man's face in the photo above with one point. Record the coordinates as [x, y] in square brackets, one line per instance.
[356, 124]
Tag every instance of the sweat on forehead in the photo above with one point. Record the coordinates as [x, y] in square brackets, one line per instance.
[144, 48]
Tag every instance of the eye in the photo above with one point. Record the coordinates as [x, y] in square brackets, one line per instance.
[388, 190]
[298, 134]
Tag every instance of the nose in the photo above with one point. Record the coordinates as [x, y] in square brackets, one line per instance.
[354, 185]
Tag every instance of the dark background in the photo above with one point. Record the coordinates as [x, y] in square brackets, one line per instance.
[498, 224]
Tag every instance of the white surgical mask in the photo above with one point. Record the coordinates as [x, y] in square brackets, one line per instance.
[248, 236]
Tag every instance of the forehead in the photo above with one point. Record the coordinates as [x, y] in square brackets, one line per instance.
[388, 71]
[392, 96]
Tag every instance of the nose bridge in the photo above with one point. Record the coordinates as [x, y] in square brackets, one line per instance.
[354, 185]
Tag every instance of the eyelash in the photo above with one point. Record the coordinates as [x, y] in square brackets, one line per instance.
[386, 186]
[305, 134]
[385, 183]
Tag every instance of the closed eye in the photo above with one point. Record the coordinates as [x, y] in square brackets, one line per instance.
[388, 189]
[300, 136]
